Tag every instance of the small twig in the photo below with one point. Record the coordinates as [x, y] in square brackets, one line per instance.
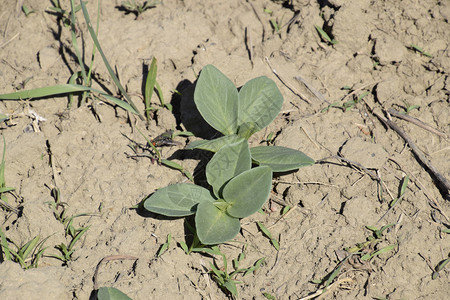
[309, 137]
[420, 185]
[277, 260]
[109, 258]
[282, 217]
[9, 41]
[259, 19]
[248, 44]
[283, 81]
[353, 163]
[428, 262]
[307, 182]
[416, 121]
[359, 89]
[312, 89]
[324, 291]
[387, 189]
[9, 207]
[442, 183]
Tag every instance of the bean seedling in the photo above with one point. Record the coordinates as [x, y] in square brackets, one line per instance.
[237, 191]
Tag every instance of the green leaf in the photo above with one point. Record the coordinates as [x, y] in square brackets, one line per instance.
[184, 247]
[110, 293]
[105, 61]
[269, 296]
[215, 226]
[172, 164]
[280, 159]
[44, 92]
[260, 102]
[325, 36]
[28, 248]
[149, 86]
[214, 145]
[230, 285]
[381, 251]
[247, 192]
[246, 130]
[63, 89]
[227, 163]
[177, 200]
[264, 230]
[4, 246]
[216, 99]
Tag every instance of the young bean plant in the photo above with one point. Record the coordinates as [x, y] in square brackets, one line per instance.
[236, 189]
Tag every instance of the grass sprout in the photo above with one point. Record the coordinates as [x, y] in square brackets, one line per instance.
[325, 36]
[440, 267]
[420, 50]
[137, 7]
[59, 211]
[27, 255]
[227, 280]
[267, 233]
[27, 10]
[164, 247]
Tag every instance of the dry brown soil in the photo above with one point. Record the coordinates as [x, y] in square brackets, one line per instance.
[84, 151]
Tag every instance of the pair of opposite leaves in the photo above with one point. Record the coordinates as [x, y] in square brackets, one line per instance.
[239, 114]
[238, 192]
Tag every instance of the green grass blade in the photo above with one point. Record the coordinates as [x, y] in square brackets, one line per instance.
[105, 61]
[255, 266]
[28, 248]
[184, 247]
[77, 237]
[264, 230]
[94, 49]
[323, 34]
[4, 245]
[6, 189]
[118, 102]
[149, 86]
[72, 80]
[381, 251]
[75, 43]
[335, 273]
[404, 185]
[64, 89]
[275, 244]
[44, 92]
[2, 165]
[161, 97]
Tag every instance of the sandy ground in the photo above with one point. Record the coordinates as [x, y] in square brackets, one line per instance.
[84, 151]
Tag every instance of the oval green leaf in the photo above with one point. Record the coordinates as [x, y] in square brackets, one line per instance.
[216, 99]
[110, 293]
[177, 200]
[247, 192]
[230, 161]
[216, 144]
[280, 159]
[260, 102]
[215, 226]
